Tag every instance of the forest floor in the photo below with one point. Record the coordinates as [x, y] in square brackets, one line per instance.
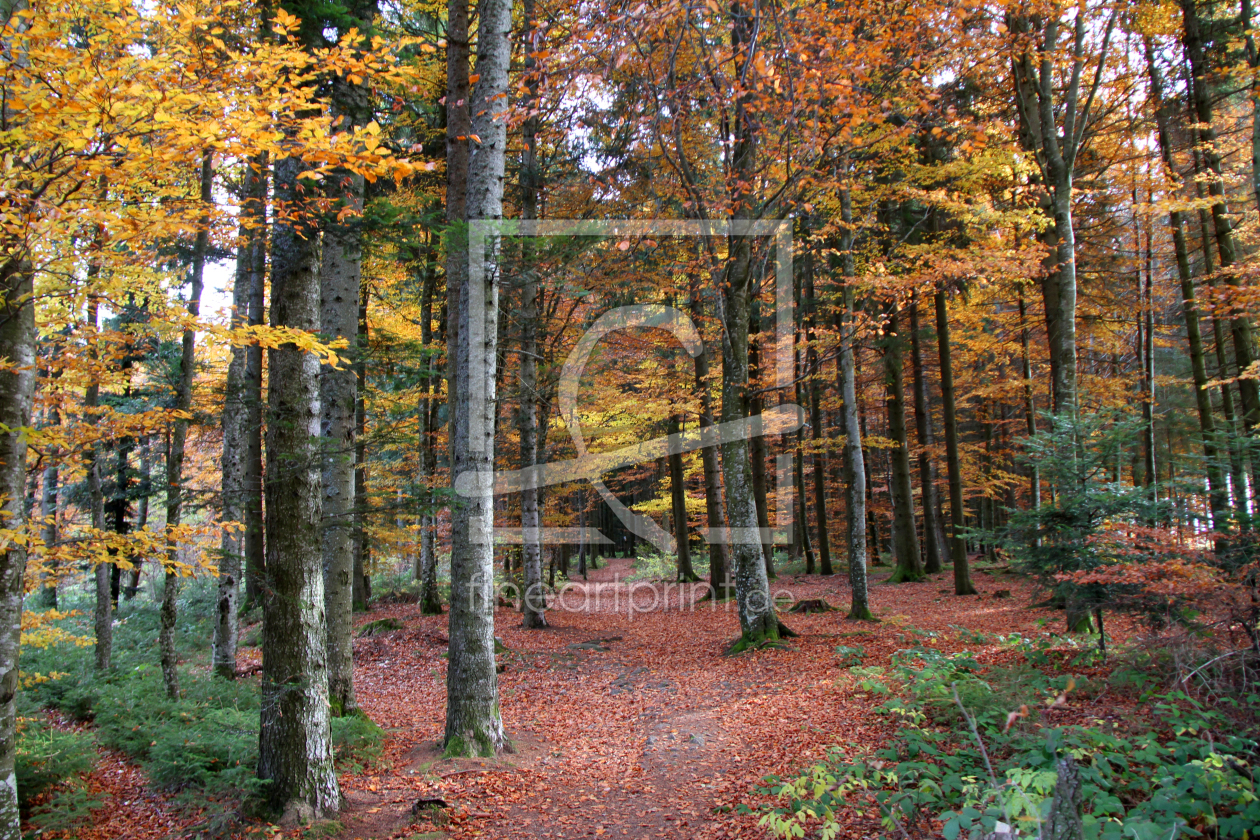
[633, 723]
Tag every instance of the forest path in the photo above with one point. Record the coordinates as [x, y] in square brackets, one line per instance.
[633, 723]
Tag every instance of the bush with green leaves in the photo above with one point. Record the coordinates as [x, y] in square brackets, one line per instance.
[205, 744]
[958, 759]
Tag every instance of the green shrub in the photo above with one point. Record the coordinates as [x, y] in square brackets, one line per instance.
[47, 757]
[357, 742]
[47, 760]
[1191, 773]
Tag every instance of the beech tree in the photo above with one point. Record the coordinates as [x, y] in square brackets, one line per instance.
[473, 723]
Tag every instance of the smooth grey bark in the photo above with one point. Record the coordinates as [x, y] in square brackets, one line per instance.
[757, 619]
[473, 722]
[237, 429]
[752, 587]
[1055, 148]
[294, 742]
[905, 538]
[340, 278]
[714, 500]
[854, 461]
[957, 543]
[800, 530]
[1030, 411]
[678, 501]
[930, 497]
[178, 437]
[757, 460]
[458, 129]
[142, 513]
[103, 613]
[533, 599]
[17, 390]
[818, 457]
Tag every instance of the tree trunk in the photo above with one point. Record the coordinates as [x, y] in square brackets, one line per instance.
[957, 543]
[294, 743]
[1240, 325]
[237, 429]
[17, 390]
[933, 528]
[341, 272]
[178, 436]
[360, 587]
[533, 599]
[1041, 107]
[1030, 413]
[255, 529]
[757, 452]
[50, 482]
[854, 460]
[430, 598]
[473, 722]
[1230, 431]
[815, 421]
[678, 497]
[714, 501]
[905, 539]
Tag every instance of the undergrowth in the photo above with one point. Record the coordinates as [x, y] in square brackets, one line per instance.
[978, 748]
[202, 747]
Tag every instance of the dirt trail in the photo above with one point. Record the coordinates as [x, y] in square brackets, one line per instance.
[633, 723]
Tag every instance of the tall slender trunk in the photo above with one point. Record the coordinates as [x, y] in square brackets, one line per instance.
[678, 500]
[1054, 125]
[801, 530]
[1030, 409]
[50, 482]
[815, 421]
[103, 614]
[17, 390]
[430, 598]
[905, 539]
[957, 543]
[933, 528]
[1240, 324]
[872, 517]
[1217, 497]
[340, 281]
[714, 502]
[757, 619]
[473, 722]
[1146, 347]
[533, 599]
[294, 743]
[458, 129]
[142, 513]
[237, 428]
[854, 460]
[757, 454]
[178, 436]
[360, 586]
[255, 528]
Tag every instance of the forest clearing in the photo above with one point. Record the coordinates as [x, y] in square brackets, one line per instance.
[642, 418]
